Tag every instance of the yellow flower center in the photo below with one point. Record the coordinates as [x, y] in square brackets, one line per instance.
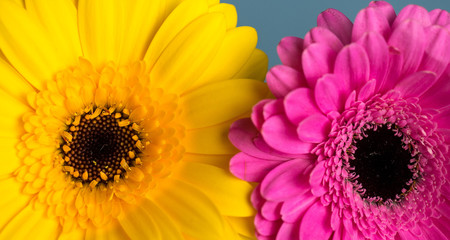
[97, 141]
[100, 145]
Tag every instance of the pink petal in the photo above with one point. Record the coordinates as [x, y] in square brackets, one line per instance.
[286, 180]
[331, 92]
[257, 113]
[323, 35]
[443, 118]
[335, 220]
[337, 235]
[273, 108]
[316, 223]
[413, 12]
[266, 227]
[438, 95]
[370, 20]
[314, 129]
[394, 70]
[377, 52]
[406, 235]
[294, 208]
[317, 59]
[288, 231]
[256, 198]
[439, 17]
[282, 79]
[442, 225]
[350, 99]
[271, 210]
[416, 84]
[250, 168]
[242, 133]
[299, 104]
[409, 39]
[337, 23]
[261, 144]
[434, 233]
[384, 8]
[316, 178]
[367, 91]
[437, 50]
[352, 64]
[281, 135]
[289, 50]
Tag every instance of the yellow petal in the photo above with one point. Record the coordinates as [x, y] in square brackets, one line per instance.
[26, 44]
[236, 49]
[221, 161]
[13, 201]
[143, 20]
[111, 232]
[256, 66]
[229, 11]
[139, 224]
[189, 54]
[243, 225]
[181, 16]
[229, 194]
[190, 209]
[219, 102]
[101, 25]
[9, 161]
[73, 234]
[60, 20]
[13, 83]
[12, 110]
[210, 140]
[167, 227]
[31, 224]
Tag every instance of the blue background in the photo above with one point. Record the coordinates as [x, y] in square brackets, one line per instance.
[275, 19]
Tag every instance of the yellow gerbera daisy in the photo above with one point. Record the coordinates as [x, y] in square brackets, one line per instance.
[114, 119]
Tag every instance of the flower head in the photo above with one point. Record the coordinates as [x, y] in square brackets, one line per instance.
[355, 144]
[114, 119]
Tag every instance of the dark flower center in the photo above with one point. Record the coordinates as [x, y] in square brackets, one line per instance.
[382, 164]
[99, 146]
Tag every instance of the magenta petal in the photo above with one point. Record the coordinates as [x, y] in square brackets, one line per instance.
[299, 104]
[394, 70]
[437, 96]
[355, 72]
[323, 35]
[266, 227]
[350, 99]
[370, 20]
[314, 129]
[282, 79]
[256, 198]
[409, 39]
[281, 135]
[316, 223]
[288, 231]
[443, 118]
[437, 50]
[242, 133]
[434, 233]
[271, 210]
[439, 17]
[416, 84]
[250, 168]
[367, 90]
[257, 115]
[286, 180]
[273, 108]
[337, 23]
[378, 53]
[384, 8]
[289, 50]
[413, 12]
[331, 92]
[316, 178]
[294, 208]
[317, 59]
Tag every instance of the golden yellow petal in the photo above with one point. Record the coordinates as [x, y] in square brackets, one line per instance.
[256, 66]
[221, 101]
[229, 194]
[13, 83]
[112, 231]
[229, 11]
[221, 161]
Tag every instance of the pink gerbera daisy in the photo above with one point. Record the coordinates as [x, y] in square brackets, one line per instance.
[356, 143]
